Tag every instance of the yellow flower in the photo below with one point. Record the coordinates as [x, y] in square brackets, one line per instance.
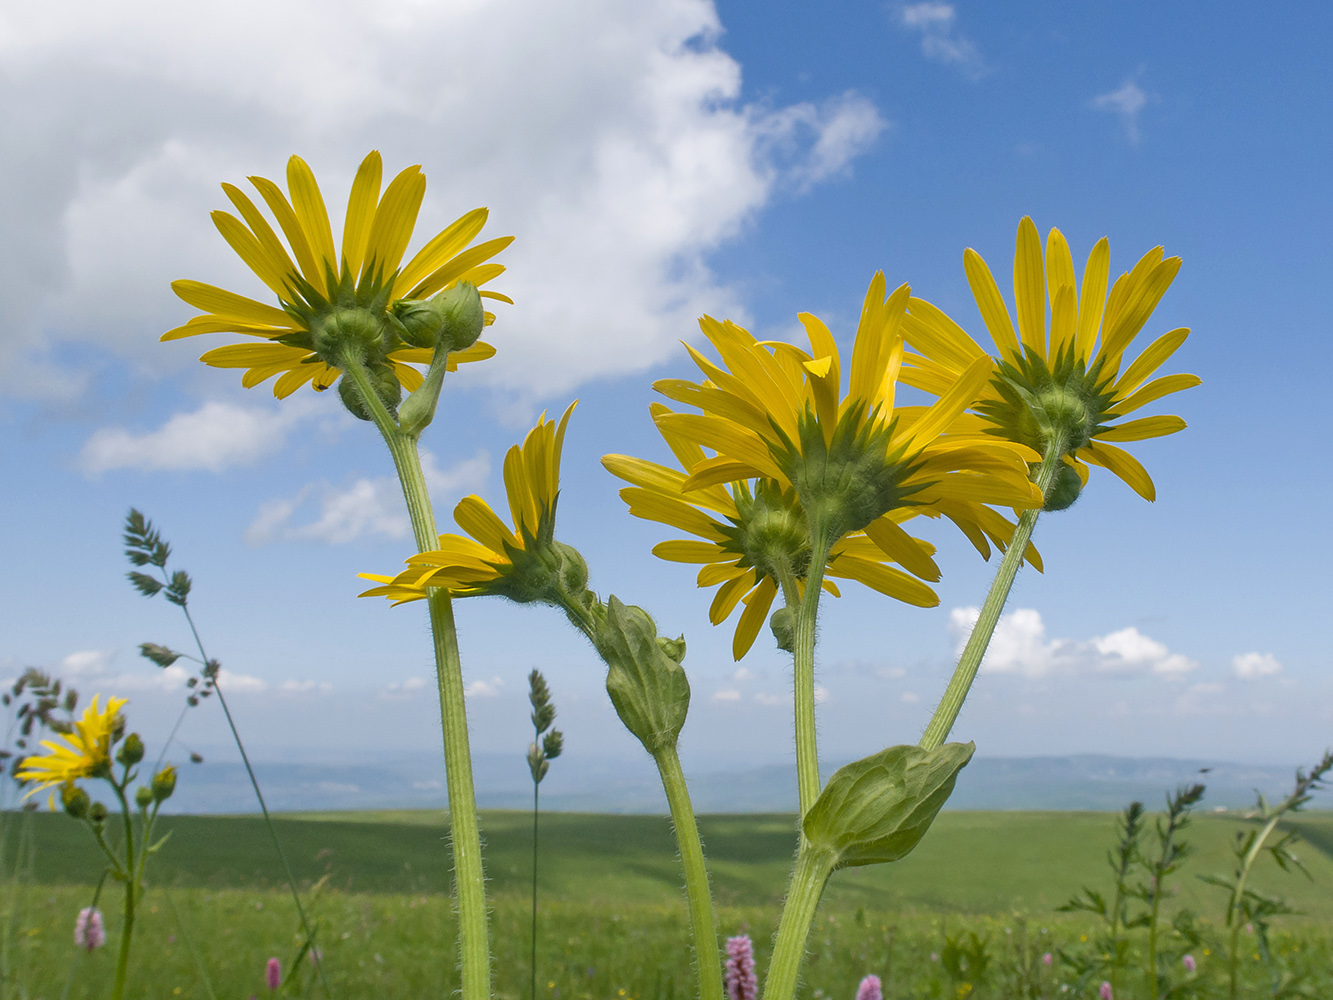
[773, 411]
[1068, 379]
[517, 562]
[366, 275]
[85, 753]
[755, 532]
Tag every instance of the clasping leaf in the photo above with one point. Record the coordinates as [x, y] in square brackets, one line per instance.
[646, 682]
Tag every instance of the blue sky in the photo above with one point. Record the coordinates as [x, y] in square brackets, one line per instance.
[656, 161]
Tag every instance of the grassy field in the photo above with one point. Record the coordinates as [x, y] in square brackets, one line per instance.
[613, 919]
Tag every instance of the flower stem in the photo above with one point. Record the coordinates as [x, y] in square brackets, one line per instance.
[702, 921]
[533, 965]
[131, 886]
[465, 833]
[805, 614]
[1238, 896]
[946, 712]
[813, 868]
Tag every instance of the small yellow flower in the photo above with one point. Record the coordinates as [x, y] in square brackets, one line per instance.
[365, 274]
[497, 559]
[85, 753]
[1068, 379]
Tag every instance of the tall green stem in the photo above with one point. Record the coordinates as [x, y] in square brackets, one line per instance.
[946, 713]
[469, 880]
[1238, 896]
[131, 887]
[533, 964]
[806, 615]
[812, 871]
[702, 922]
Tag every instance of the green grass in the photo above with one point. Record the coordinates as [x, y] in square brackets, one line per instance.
[613, 916]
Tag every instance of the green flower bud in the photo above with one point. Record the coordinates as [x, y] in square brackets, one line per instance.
[143, 797]
[164, 783]
[387, 387]
[344, 330]
[97, 812]
[450, 321]
[783, 625]
[131, 751]
[1063, 490]
[75, 800]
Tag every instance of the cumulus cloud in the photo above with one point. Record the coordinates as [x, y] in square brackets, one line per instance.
[730, 694]
[909, 697]
[1020, 646]
[611, 138]
[212, 438]
[940, 40]
[367, 508]
[1253, 666]
[305, 687]
[484, 689]
[95, 667]
[1125, 103]
[402, 690]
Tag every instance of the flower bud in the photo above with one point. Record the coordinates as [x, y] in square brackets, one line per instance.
[342, 330]
[143, 797]
[1063, 490]
[386, 385]
[75, 800]
[131, 751]
[783, 625]
[164, 783]
[450, 321]
[97, 812]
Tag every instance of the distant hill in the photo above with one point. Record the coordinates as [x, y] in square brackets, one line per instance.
[1084, 781]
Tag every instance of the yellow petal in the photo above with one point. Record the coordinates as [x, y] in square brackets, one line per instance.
[676, 513]
[728, 596]
[256, 258]
[291, 228]
[1153, 391]
[475, 517]
[441, 248]
[1064, 321]
[223, 303]
[1139, 308]
[993, 311]
[934, 334]
[714, 472]
[684, 550]
[1092, 297]
[394, 220]
[757, 603]
[962, 394]
[1059, 268]
[1123, 464]
[1030, 287]
[1152, 358]
[361, 210]
[452, 270]
[308, 204]
[885, 579]
[726, 438]
[1139, 430]
[212, 324]
[902, 548]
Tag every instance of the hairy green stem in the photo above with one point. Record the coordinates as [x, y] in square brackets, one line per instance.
[465, 832]
[812, 871]
[806, 614]
[946, 713]
[127, 930]
[1238, 896]
[702, 921]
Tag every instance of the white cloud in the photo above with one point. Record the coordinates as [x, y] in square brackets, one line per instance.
[742, 674]
[727, 695]
[231, 682]
[909, 697]
[1020, 646]
[87, 663]
[610, 138]
[94, 667]
[890, 673]
[214, 437]
[1253, 666]
[773, 700]
[368, 507]
[305, 687]
[940, 41]
[484, 689]
[821, 694]
[402, 690]
[1125, 103]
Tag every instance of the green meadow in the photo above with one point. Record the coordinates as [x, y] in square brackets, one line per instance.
[613, 918]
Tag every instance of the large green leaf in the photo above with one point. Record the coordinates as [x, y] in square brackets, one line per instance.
[646, 682]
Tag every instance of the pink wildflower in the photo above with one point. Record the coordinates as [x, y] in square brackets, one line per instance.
[89, 934]
[741, 982]
[1047, 959]
[273, 973]
[1188, 962]
[870, 989]
[1105, 992]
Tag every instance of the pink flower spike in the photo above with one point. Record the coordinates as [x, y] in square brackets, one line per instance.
[870, 989]
[1105, 992]
[1047, 959]
[89, 934]
[741, 982]
[1188, 962]
[273, 973]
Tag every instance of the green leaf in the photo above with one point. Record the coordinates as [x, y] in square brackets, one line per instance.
[160, 655]
[646, 682]
[878, 809]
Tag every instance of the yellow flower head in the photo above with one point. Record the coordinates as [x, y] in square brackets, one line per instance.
[521, 563]
[1068, 380]
[86, 752]
[754, 533]
[773, 411]
[328, 295]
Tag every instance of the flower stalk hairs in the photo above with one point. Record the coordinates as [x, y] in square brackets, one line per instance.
[352, 314]
[92, 749]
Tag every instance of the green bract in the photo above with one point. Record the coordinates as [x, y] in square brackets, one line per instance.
[645, 680]
[877, 809]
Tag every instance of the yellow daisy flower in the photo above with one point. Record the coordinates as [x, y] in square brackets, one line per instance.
[496, 559]
[747, 528]
[1069, 379]
[85, 753]
[314, 281]
[774, 411]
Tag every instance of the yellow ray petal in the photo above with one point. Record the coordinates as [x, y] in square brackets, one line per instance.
[216, 300]
[1152, 358]
[1140, 430]
[684, 550]
[1153, 391]
[361, 210]
[249, 249]
[308, 204]
[902, 548]
[931, 331]
[1064, 321]
[885, 579]
[213, 324]
[1092, 297]
[728, 596]
[757, 603]
[475, 517]
[676, 513]
[962, 394]
[291, 228]
[442, 248]
[1123, 464]
[1030, 287]
[394, 220]
[1059, 267]
[725, 438]
[451, 271]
